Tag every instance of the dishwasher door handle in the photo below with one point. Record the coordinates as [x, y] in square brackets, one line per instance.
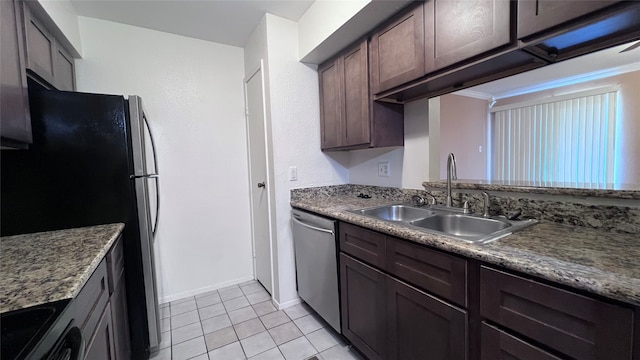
[313, 227]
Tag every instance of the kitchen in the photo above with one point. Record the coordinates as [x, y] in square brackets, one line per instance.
[179, 92]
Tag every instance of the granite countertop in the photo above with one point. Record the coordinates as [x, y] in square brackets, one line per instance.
[601, 262]
[612, 191]
[50, 266]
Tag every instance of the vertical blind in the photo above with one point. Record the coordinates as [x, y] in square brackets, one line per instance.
[567, 139]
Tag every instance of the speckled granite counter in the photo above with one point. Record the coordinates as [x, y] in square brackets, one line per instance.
[615, 191]
[50, 266]
[600, 262]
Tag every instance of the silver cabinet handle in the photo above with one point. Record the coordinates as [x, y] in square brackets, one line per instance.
[261, 184]
[313, 227]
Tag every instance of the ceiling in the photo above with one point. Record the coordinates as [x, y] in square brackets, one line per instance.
[228, 22]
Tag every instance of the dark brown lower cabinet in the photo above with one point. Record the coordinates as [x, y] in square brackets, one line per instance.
[101, 309]
[498, 345]
[385, 318]
[121, 343]
[100, 346]
[578, 326]
[421, 326]
[363, 307]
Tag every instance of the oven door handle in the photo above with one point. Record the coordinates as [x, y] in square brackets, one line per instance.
[313, 227]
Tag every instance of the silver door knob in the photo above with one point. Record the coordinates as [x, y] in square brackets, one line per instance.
[261, 184]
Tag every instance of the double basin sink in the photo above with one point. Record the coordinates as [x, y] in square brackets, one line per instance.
[469, 228]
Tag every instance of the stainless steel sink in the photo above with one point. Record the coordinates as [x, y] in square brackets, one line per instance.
[461, 225]
[395, 212]
[469, 228]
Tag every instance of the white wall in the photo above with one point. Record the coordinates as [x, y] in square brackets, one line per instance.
[322, 19]
[463, 131]
[193, 93]
[328, 26]
[410, 165]
[363, 166]
[418, 144]
[294, 116]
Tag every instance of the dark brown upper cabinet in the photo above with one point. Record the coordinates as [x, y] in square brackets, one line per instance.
[348, 117]
[330, 105]
[537, 15]
[398, 49]
[65, 78]
[45, 56]
[15, 130]
[463, 29]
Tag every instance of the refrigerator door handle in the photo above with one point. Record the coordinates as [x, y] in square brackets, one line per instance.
[155, 221]
[155, 177]
[147, 176]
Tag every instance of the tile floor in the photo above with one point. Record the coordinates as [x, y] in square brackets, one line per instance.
[240, 322]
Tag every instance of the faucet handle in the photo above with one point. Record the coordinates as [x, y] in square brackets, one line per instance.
[466, 208]
[485, 204]
[417, 200]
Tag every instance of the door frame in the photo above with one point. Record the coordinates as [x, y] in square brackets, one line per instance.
[269, 167]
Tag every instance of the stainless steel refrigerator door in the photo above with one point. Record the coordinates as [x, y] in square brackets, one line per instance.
[316, 265]
[148, 202]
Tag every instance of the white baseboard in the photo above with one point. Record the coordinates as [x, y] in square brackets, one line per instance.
[286, 304]
[182, 295]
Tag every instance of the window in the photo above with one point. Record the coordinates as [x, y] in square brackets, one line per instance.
[568, 139]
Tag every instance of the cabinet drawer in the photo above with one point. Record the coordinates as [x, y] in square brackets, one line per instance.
[115, 264]
[498, 345]
[363, 244]
[578, 326]
[431, 270]
[92, 300]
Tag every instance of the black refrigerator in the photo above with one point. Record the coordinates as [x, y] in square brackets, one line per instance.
[92, 162]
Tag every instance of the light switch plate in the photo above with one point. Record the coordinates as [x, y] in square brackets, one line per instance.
[293, 173]
[384, 169]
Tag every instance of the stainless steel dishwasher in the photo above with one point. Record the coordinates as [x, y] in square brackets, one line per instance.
[314, 240]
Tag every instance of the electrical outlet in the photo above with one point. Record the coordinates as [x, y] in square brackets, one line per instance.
[384, 169]
[293, 173]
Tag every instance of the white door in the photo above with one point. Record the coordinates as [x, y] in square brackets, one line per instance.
[258, 176]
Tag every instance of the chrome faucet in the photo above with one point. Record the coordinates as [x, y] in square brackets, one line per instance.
[451, 174]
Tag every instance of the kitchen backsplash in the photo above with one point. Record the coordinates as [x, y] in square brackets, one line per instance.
[613, 214]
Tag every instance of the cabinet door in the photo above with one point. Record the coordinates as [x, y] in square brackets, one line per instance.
[420, 324]
[467, 28]
[498, 345]
[119, 318]
[363, 307]
[397, 50]
[355, 74]
[41, 53]
[330, 105]
[64, 70]
[538, 15]
[100, 346]
[14, 102]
